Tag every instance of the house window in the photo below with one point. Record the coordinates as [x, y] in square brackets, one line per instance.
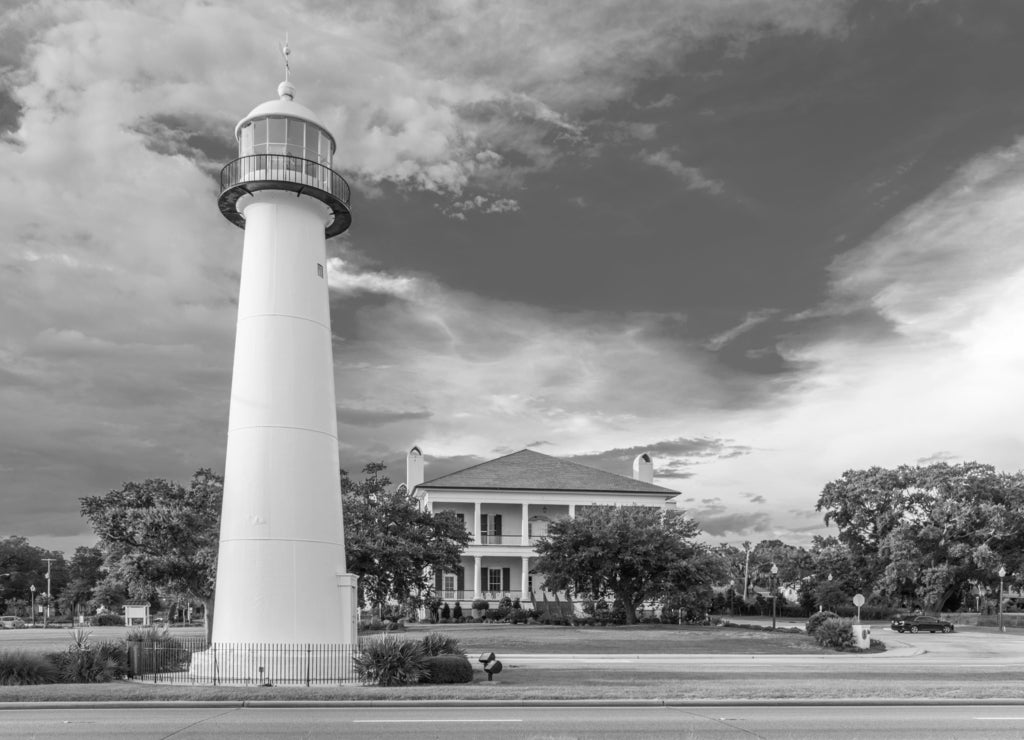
[319, 270]
[490, 529]
[494, 580]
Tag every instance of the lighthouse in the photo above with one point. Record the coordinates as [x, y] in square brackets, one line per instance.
[281, 570]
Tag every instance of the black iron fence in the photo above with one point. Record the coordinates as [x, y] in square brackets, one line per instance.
[184, 660]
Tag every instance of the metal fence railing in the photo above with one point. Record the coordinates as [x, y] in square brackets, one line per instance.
[184, 660]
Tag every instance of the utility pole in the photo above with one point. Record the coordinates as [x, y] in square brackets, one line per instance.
[46, 614]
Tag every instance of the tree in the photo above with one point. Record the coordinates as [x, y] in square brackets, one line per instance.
[160, 534]
[923, 534]
[85, 572]
[635, 553]
[391, 544]
[26, 564]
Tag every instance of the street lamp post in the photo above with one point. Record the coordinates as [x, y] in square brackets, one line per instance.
[775, 573]
[32, 588]
[1002, 575]
[46, 614]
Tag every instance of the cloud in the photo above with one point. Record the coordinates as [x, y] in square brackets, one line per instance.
[481, 204]
[752, 319]
[913, 351]
[716, 524]
[692, 177]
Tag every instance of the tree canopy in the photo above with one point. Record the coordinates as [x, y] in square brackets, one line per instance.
[925, 534]
[160, 534]
[25, 565]
[391, 544]
[636, 553]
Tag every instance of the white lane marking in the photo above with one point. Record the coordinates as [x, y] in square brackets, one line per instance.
[424, 721]
[1012, 719]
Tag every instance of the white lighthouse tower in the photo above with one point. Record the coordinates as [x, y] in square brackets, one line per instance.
[281, 572]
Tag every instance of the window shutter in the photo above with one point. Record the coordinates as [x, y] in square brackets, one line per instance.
[437, 580]
[497, 524]
[483, 580]
[483, 526]
[506, 579]
[461, 576]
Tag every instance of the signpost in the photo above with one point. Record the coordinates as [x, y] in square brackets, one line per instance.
[858, 601]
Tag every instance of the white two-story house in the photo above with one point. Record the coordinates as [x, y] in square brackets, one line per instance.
[508, 503]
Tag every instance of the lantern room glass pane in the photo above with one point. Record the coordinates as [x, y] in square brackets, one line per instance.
[260, 131]
[325, 149]
[276, 130]
[245, 144]
[296, 137]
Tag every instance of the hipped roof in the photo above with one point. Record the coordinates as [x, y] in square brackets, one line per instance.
[527, 470]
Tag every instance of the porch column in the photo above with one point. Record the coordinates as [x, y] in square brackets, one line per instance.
[476, 526]
[572, 511]
[526, 574]
[477, 586]
[526, 525]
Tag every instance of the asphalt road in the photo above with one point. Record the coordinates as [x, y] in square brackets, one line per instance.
[563, 723]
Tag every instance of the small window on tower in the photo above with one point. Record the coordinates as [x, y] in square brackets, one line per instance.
[319, 270]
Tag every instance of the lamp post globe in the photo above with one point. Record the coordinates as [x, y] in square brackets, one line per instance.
[32, 588]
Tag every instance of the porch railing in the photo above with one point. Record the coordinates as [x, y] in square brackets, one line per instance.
[501, 539]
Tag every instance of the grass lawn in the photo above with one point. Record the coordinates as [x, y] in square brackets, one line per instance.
[842, 677]
[642, 638]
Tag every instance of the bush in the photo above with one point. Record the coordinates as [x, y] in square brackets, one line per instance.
[481, 604]
[23, 668]
[436, 643]
[101, 663]
[836, 633]
[391, 661]
[447, 669]
[154, 650]
[107, 619]
[816, 620]
[457, 611]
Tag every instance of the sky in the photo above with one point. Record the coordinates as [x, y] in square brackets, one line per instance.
[767, 241]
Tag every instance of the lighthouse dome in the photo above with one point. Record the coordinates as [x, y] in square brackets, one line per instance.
[283, 106]
[283, 126]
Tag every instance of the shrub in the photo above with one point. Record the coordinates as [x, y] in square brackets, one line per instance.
[457, 610]
[101, 663]
[390, 661]
[436, 643]
[816, 620]
[836, 633]
[517, 615]
[106, 619]
[481, 604]
[154, 650]
[23, 668]
[447, 669]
